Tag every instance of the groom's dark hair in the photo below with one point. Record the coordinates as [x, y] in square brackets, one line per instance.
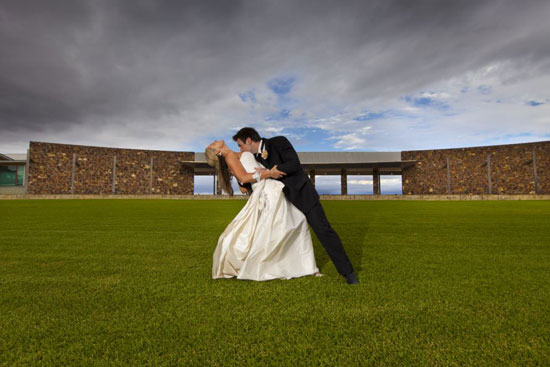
[245, 133]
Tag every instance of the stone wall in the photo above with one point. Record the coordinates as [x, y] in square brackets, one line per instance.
[51, 170]
[501, 170]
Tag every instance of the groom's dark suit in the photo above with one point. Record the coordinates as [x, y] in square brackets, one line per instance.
[300, 192]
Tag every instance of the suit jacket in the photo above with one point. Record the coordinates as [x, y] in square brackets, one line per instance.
[298, 188]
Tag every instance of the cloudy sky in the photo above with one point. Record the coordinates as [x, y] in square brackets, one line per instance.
[330, 75]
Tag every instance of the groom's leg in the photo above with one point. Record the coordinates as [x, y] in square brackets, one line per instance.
[329, 239]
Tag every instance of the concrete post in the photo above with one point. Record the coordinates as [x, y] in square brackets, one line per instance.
[535, 171]
[26, 181]
[213, 184]
[151, 177]
[375, 182]
[344, 181]
[489, 174]
[72, 174]
[312, 177]
[114, 174]
[448, 177]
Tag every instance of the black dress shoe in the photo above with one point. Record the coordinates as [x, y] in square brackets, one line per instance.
[351, 278]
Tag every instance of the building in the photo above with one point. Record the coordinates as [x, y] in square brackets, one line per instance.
[341, 164]
[13, 173]
[51, 168]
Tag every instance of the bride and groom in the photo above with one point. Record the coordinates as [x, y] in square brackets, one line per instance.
[270, 238]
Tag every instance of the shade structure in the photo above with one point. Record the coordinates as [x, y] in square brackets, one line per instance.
[331, 163]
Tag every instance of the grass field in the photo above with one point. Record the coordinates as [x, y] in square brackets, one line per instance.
[128, 283]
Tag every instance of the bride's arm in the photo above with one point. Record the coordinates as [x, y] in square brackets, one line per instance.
[233, 162]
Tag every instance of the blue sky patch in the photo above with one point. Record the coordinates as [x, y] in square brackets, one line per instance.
[279, 115]
[519, 135]
[282, 85]
[309, 139]
[426, 102]
[370, 116]
[484, 89]
[248, 96]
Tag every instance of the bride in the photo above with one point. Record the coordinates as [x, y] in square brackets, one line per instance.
[269, 238]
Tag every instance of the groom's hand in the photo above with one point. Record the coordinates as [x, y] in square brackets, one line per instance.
[275, 173]
[264, 173]
[272, 173]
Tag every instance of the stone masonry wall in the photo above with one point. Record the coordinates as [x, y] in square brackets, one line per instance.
[511, 170]
[50, 170]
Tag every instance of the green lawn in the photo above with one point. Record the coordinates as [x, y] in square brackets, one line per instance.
[128, 282]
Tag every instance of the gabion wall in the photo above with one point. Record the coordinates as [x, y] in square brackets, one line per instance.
[501, 169]
[77, 169]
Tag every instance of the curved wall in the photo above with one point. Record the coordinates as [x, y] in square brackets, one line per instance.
[500, 169]
[51, 170]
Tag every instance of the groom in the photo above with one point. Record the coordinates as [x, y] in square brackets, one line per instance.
[278, 155]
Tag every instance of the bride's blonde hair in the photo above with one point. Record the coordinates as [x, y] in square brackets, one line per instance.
[218, 162]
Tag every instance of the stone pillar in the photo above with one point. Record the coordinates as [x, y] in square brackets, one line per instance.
[375, 182]
[312, 177]
[344, 181]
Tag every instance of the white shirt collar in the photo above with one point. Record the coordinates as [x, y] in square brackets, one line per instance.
[261, 147]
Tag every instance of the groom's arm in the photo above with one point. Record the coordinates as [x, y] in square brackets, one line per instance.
[290, 161]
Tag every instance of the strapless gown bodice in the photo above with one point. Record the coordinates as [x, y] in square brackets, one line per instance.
[250, 164]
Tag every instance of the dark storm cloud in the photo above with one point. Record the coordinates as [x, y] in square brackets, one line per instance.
[89, 63]
[68, 61]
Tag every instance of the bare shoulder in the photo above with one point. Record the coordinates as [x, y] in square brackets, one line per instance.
[236, 167]
[232, 155]
[233, 158]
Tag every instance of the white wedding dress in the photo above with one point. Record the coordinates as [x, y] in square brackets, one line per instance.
[268, 239]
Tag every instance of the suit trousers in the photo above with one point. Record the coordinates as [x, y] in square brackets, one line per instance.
[329, 239]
